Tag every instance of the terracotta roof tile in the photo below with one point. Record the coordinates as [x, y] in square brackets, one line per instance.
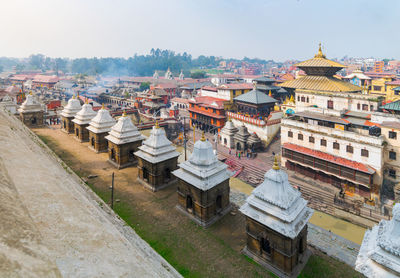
[331, 158]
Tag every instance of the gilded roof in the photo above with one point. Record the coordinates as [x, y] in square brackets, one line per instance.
[321, 83]
[319, 60]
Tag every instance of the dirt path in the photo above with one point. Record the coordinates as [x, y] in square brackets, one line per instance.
[200, 252]
[193, 251]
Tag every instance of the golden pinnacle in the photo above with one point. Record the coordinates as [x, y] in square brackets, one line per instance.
[203, 137]
[157, 126]
[276, 165]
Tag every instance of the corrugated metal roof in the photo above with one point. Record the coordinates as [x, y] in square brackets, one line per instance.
[255, 97]
[321, 83]
[395, 105]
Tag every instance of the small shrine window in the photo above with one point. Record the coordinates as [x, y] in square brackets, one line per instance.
[336, 146]
[392, 155]
[364, 153]
[349, 149]
[265, 245]
[300, 136]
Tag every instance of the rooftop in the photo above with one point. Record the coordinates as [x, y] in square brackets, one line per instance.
[203, 169]
[255, 97]
[124, 131]
[321, 83]
[331, 158]
[157, 147]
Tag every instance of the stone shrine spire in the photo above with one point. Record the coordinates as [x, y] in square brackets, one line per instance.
[379, 254]
[276, 221]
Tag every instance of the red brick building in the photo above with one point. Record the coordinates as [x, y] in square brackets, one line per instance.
[207, 113]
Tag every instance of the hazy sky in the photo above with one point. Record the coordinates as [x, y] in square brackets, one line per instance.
[268, 29]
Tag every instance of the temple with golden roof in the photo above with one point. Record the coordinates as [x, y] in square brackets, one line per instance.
[319, 76]
[328, 134]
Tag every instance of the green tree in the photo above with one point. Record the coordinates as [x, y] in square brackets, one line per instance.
[144, 86]
[198, 75]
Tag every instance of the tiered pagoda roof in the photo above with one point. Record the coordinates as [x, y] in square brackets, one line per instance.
[73, 107]
[277, 205]
[379, 254]
[229, 128]
[203, 169]
[242, 133]
[30, 105]
[157, 147]
[102, 122]
[124, 131]
[85, 115]
[255, 97]
[320, 76]
[254, 139]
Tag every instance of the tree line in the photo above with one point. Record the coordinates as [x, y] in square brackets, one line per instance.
[137, 65]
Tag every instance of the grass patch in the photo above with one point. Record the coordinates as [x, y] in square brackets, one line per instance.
[190, 249]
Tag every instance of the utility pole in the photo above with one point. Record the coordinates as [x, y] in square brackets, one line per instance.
[112, 191]
[184, 136]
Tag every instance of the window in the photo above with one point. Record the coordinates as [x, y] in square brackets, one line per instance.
[323, 142]
[336, 146]
[290, 134]
[349, 149]
[364, 153]
[303, 99]
[330, 104]
[371, 108]
[298, 98]
[365, 107]
[300, 136]
[308, 100]
[392, 135]
[392, 155]
[358, 106]
[392, 173]
[377, 88]
[311, 139]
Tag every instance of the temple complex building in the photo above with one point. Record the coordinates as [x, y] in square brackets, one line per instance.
[379, 255]
[157, 158]
[358, 78]
[240, 138]
[69, 113]
[227, 133]
[124, 140]
[81, 122]
[207, 113]
[203, 189]
[31, 112]
[99, 127]
[331, 136]
[255, 104]
[276, 225]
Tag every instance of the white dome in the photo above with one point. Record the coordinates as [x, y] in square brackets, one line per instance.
[102, 122]
[73, 107]
[203, 153]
